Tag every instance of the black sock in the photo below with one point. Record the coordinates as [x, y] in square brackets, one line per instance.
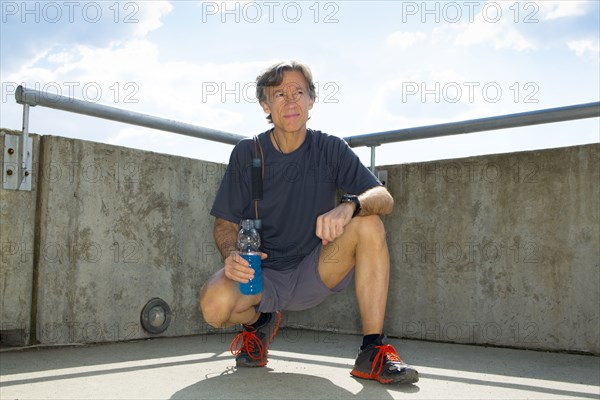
[369, 339]
[262, 319]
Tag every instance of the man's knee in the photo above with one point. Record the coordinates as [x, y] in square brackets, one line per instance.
[215, 308]
[369, 227]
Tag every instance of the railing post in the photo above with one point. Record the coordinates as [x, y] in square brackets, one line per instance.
[373, 158]
[18, 154]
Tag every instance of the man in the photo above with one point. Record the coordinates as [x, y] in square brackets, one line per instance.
[311, 247]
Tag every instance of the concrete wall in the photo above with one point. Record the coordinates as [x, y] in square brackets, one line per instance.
[498, 249]
[117, 227]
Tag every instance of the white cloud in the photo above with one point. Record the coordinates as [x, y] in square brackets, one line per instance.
[494, 27]
[584, 47]
[151, 15]
[170, 87]
[562, 9]
[131, 75]
[502, 34]
[404, 40]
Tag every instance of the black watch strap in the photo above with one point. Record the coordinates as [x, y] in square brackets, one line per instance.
[350, 198]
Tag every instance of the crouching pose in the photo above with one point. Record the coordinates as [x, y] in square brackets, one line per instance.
[311, 246]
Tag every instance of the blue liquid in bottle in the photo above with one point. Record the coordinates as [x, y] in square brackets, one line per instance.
[248, 244]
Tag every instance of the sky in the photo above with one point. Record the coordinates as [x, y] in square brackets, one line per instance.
[377, 65]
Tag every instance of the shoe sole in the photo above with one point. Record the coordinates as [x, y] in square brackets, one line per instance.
[262, 364]
[409, 377]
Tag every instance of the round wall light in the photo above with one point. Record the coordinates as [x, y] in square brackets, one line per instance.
[156, 316]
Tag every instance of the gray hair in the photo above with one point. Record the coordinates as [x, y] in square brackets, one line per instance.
[273, 76]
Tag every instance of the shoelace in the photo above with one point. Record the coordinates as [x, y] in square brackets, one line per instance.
[247, 342]
[386, 351]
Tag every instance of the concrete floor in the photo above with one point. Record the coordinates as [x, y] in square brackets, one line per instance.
[303, 365]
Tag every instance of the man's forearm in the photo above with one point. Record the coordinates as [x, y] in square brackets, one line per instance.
[377, 201]
[225, 233]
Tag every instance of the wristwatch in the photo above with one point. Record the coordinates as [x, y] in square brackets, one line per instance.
[350, 198]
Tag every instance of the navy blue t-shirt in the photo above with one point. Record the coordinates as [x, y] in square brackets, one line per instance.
[297, 188]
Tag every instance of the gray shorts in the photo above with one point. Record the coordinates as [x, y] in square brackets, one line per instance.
[297, 288]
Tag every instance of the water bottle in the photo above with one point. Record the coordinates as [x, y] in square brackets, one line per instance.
[248, 244]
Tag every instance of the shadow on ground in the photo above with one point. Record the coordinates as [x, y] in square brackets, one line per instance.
[277, 385]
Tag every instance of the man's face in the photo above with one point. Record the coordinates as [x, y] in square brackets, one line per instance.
[289, 103]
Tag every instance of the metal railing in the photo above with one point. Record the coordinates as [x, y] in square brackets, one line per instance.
[18, 152]
[31, 97]
[37, 98]
[546, 116]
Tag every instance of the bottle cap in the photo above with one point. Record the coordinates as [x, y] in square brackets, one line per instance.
[247, 224]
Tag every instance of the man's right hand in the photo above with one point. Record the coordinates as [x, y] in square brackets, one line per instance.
[238, 269]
